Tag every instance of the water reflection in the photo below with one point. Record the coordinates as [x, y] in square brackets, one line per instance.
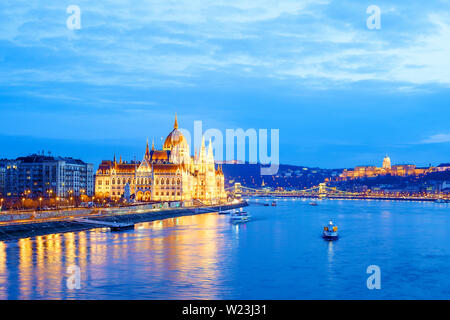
[182, 250]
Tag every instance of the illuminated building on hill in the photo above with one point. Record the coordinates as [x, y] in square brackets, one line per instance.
[387, 169]
[170, 174]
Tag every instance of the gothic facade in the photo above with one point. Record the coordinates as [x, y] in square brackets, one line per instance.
[170, 174]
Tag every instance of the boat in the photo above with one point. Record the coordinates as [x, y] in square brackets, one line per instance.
[240, 216]
[330, 231]
[274, 203]
[122, 226]
[313, 203]
[226, 211]
[440, 200]
[266, 204]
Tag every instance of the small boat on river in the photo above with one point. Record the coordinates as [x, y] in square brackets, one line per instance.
[239, 216]
[330, 231]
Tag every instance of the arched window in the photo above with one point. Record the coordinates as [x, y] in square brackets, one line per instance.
[124, 181]
[162, 181]
[129, 181]
[167, 181]
[156, 181]
[178, 182]
[113, 181]
[173, 181]
[99, 182]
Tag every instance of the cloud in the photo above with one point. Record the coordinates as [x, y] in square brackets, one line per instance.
[437, 138]
[182, 43]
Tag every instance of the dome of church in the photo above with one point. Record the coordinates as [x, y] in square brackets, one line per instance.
[387, 162]
[175, 138]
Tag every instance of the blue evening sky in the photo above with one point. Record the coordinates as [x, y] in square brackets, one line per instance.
[341, 94]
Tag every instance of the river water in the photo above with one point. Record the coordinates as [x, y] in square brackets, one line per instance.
[279, 254]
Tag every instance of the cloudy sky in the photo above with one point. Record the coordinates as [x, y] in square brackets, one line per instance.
[340, 94]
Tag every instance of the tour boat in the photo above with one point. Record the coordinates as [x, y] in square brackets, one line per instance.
[274, 203]
[122, 226]
[240, 216]
[330, 231]
[226, 211]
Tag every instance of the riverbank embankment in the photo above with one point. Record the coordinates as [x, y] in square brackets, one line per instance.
[32, 229]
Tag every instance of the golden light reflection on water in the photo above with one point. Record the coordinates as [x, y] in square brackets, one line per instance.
[3, 271]
[183, 250]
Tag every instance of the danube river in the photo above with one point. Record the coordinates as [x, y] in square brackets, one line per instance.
[278, 255]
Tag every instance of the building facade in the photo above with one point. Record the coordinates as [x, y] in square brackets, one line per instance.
[46, 176]
[170, 174]
[402, 170]
[2, 177]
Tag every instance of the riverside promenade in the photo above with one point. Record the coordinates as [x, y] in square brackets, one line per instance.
[71, 222]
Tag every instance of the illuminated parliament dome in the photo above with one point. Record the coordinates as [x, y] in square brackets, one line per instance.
[175, 138]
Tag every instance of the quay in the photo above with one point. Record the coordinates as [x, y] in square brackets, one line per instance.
[26, 229]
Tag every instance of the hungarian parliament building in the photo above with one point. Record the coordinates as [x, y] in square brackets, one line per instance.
[170, 174]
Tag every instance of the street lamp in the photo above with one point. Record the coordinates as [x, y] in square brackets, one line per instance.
[40, 203]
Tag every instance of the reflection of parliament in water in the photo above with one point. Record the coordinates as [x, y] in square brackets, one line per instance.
[36, 268]
[171, 174]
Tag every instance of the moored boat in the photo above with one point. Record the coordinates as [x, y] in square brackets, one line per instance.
[122, 226]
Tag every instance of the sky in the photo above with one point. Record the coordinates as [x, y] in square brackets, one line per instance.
[340, 94]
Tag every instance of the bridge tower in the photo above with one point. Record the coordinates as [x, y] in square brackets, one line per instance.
[322, 189]
[237, 190]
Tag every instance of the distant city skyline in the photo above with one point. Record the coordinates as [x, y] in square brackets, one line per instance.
[340, 94]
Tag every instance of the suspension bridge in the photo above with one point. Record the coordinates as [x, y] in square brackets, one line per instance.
[323, 191]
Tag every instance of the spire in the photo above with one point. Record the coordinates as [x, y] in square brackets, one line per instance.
[147, 151]
[153, 144]
[210, 152]
[202, 153]
[114, 160]
[175, 126]
[120, 160]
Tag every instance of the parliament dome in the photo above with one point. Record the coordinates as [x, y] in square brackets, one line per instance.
[175, 138]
